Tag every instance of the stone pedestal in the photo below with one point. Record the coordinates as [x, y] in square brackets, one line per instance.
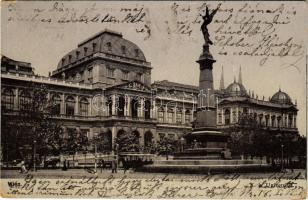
[206, 138]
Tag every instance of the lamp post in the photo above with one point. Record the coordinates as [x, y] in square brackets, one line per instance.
[182, 144]
[34, 155]
[95, 155]
[208, 99]
[282, 157]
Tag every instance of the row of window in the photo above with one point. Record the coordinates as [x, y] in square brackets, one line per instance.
[110, 72]
[123, 49]
[25, 99]
[261, 119]
[70, 106]
[94, 47]
[124, 74]
[170, 117]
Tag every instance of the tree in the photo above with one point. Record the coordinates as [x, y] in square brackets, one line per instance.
[166, 145]
[103, 142]
[240, 141]
[128, 142]
[74, 141]
[249, 137]
[32, 127]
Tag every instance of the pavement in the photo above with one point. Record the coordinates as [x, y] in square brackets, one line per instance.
[82, 173]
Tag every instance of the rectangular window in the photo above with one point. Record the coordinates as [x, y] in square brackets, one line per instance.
[90, 74]
[110, 72]
[179, 118]
[170, 117]
[160, 116]
[187, 118]
[139, 77]
[125, 75]
[219, 118]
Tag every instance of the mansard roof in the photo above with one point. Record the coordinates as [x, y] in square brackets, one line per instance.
[256, 102]
[106, 41]
[165, 84]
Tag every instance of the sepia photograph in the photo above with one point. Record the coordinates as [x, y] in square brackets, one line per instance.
[154, 99]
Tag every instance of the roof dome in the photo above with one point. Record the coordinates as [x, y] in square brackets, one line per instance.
[281, 97]
[108, 42]
[236, 89]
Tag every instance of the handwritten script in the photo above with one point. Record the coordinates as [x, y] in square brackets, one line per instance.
[207, 186]
[250, 29]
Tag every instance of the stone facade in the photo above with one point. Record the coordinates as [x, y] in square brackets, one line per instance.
[104, 86]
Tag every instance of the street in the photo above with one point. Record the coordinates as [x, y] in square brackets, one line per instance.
[81, 173]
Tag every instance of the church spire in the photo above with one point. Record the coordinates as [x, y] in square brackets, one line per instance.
[240, 76]
[222, 81]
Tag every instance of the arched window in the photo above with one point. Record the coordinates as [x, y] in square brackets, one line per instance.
[148, 139]
[147, 109]
[56, 105]
[121, 105]
[260, 119]
[109, 104]
[279, 121]
[83, 106]
[266, 120]
[227, 116]
[24, 100]
[134, 107]
[7, 100]
[234, 116]
[70, 106]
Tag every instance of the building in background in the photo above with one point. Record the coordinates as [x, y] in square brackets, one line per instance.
[104, 87]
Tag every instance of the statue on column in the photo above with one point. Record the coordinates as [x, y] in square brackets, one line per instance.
[207, 19]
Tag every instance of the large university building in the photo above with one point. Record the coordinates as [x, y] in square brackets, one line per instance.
[104, 86]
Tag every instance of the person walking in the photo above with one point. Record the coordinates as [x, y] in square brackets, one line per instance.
[64, 168]
[102, 165]
[114, 165]
[23, 168]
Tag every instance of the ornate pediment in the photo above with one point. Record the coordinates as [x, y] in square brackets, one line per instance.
[134, 85]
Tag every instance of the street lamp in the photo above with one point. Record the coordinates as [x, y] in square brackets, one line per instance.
[95, 155]
[182, 144]
[208, 99]
[282, 157]
[34, 155]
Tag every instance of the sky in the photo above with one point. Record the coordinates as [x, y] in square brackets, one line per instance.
[171, 51]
